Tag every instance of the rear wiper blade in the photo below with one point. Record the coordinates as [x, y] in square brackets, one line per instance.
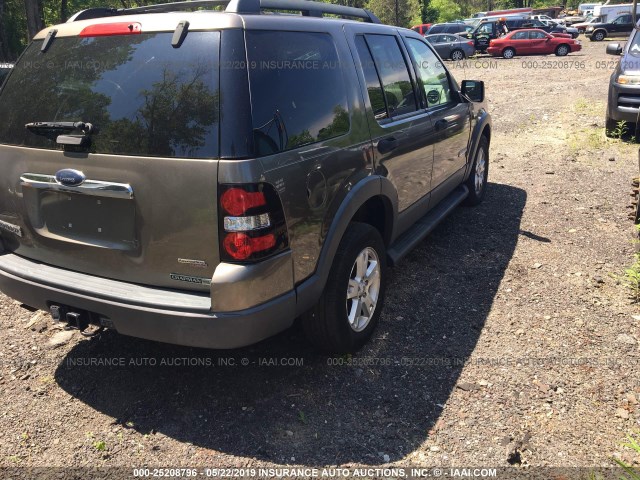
[59, 131]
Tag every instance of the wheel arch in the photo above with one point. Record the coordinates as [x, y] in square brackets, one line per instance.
[363, 203]
[481, 129]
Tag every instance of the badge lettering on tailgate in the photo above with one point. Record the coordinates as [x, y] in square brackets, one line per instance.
[11, 228]
[190, 279]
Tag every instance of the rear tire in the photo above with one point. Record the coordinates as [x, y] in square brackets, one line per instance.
[349, 309]
[477, 181]
[457, 55]
[508, 53]
[562, 50]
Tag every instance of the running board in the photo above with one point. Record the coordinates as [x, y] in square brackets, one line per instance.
[423, 227]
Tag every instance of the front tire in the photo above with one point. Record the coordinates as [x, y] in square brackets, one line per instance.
[598, 36]
[349, 309]
[508, 53]
[562, 50]
[477, 181]
[609, 127]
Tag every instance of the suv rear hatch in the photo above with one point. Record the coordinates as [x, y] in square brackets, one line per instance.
[135, 198]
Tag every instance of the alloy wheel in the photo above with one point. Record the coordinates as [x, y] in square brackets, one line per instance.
[363, 289]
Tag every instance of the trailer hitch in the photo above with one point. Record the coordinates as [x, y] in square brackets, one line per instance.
[78, 320]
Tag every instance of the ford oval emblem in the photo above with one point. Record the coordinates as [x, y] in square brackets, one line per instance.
[70, 177]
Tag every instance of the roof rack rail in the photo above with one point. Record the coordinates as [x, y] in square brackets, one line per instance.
[305, 7]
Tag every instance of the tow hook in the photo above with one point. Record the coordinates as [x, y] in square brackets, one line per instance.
[78, 320]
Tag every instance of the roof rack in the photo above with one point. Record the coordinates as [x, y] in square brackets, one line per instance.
[305, 7]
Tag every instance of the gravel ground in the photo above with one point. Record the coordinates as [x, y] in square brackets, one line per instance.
[507, 338]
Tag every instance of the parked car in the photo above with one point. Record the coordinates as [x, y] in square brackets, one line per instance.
[487, 31]
[571, 31]
[583, 25]
[169, 198]
[532, 42]
[570, 20]
[621, 26]
[454, 47]
[547, 18]
[574, 32]
[454, 27]
[422, 29]
[5, 68]
[623, 102]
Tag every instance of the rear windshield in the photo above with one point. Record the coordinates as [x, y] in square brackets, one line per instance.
[144, 96]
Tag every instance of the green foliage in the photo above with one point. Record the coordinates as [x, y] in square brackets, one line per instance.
[101, 446]
[302, 417]
[632, 275]
[395, 12]
[633, 473]
[447, 10]
[620, 130]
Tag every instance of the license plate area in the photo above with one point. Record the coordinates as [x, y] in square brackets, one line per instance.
[86, 219]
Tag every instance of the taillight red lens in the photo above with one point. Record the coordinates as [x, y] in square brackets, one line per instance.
[108, 29]
[237, 201]
[241, 246]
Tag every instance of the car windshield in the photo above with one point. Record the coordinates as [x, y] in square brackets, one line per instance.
[634, 46]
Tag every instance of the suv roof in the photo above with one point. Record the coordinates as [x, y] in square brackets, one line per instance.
[306, 8]
[237, 14]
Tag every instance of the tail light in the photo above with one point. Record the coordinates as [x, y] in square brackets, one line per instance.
[470, 43]
[252, 223]
[109, 29]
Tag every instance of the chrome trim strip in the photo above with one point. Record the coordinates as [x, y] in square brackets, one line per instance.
[89, 187]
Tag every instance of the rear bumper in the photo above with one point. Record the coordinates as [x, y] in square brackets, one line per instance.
[183, 318]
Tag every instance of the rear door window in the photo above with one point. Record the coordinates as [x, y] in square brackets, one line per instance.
[537, 35]
[393, 73]
[144, 96]
[374, 88]
[298, 93]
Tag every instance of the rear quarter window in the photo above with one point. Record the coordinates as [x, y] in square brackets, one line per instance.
[298, 93]
[144, 96]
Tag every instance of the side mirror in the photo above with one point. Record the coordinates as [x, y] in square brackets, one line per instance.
[474, 89]
[614, 49]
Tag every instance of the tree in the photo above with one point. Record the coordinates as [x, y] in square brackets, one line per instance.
[35, 18]
[395, 12]
[447, 10]
[4, 47]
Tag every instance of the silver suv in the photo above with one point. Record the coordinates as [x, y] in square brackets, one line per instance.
[204, 178]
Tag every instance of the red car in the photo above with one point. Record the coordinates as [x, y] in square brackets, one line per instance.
[532, 42]
[421, 29]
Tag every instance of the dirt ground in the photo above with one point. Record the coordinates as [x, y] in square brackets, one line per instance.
[507, 337]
